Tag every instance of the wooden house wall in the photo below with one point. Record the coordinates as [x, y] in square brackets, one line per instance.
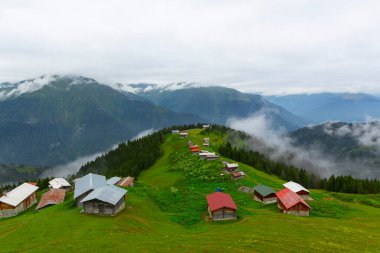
[79, 198]
[102, 208]
[9, 211]
[299, 209]
[257, 196]
[223, 214]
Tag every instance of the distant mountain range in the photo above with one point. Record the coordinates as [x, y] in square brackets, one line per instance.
[219, 104]
[52, 120]
[324, 107]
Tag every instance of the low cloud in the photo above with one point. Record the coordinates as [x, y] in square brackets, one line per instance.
[367, 134]
[74, 166]
[277, 144]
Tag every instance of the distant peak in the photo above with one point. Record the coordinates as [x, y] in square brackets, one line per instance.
[11, 90]
[146, 87]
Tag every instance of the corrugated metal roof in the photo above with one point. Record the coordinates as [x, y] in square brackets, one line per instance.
[113, 180]
[289, 198]
[232, 165]
[294, 186]
[18, 194]
[57, 183]
[88, 182]
[110, 194]
[51, 197]
[263, 190]
[219, 200]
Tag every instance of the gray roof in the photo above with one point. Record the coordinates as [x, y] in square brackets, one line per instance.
[263, 190]
[113, 180]
[110, 194]
[88, 182]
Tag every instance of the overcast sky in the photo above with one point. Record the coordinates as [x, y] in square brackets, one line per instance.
[263, 46]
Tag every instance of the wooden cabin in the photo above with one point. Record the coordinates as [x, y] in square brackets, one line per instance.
[212, 157]
[206, 142]
[17, 200]
[113, 180]
[85, 185]
[204, 153]
[59, 183]
[264, 194]
[221, 206]
[230, 167]
[291, 203]
[106, 200]
[51, 197]
[126, 182]
[299, 189]
[237, 175]
[184, 134]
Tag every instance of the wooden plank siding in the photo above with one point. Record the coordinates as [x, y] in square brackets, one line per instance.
[102, 208]
[223, 214]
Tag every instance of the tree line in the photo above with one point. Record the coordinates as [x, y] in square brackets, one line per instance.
[131, 158]
[346, 184]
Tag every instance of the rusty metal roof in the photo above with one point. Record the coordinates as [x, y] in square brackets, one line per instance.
[51, 197]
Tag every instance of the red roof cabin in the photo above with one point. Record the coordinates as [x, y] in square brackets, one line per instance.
[195, 149]
[290, 203]
[221, 206]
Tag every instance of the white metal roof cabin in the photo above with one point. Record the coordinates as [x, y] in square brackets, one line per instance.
[18, 200]
[113, 180]
[175, 131]
[86, 184]
[184, 134]
[106, 200]
[297, 188]
[59, 183]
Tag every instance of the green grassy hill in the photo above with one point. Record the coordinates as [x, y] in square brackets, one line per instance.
[166, 212]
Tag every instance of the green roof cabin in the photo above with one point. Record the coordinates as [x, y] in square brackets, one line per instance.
[264, 194]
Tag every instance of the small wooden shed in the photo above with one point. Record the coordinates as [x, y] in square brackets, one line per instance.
[297, 188]
[221, 206]
[184, 134]
[126, 182]
[264, 194]
[18, 200]
[107, 200]
[237, 175]
[230, 167]
[59, 183]
[291, 203]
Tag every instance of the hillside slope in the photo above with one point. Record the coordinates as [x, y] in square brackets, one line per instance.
[166, 213]
[68, 117]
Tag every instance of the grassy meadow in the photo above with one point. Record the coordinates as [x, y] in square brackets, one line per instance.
[167, 212]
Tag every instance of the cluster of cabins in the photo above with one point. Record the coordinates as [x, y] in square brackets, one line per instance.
[92, 192]
[97, 195]
[290, 200]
